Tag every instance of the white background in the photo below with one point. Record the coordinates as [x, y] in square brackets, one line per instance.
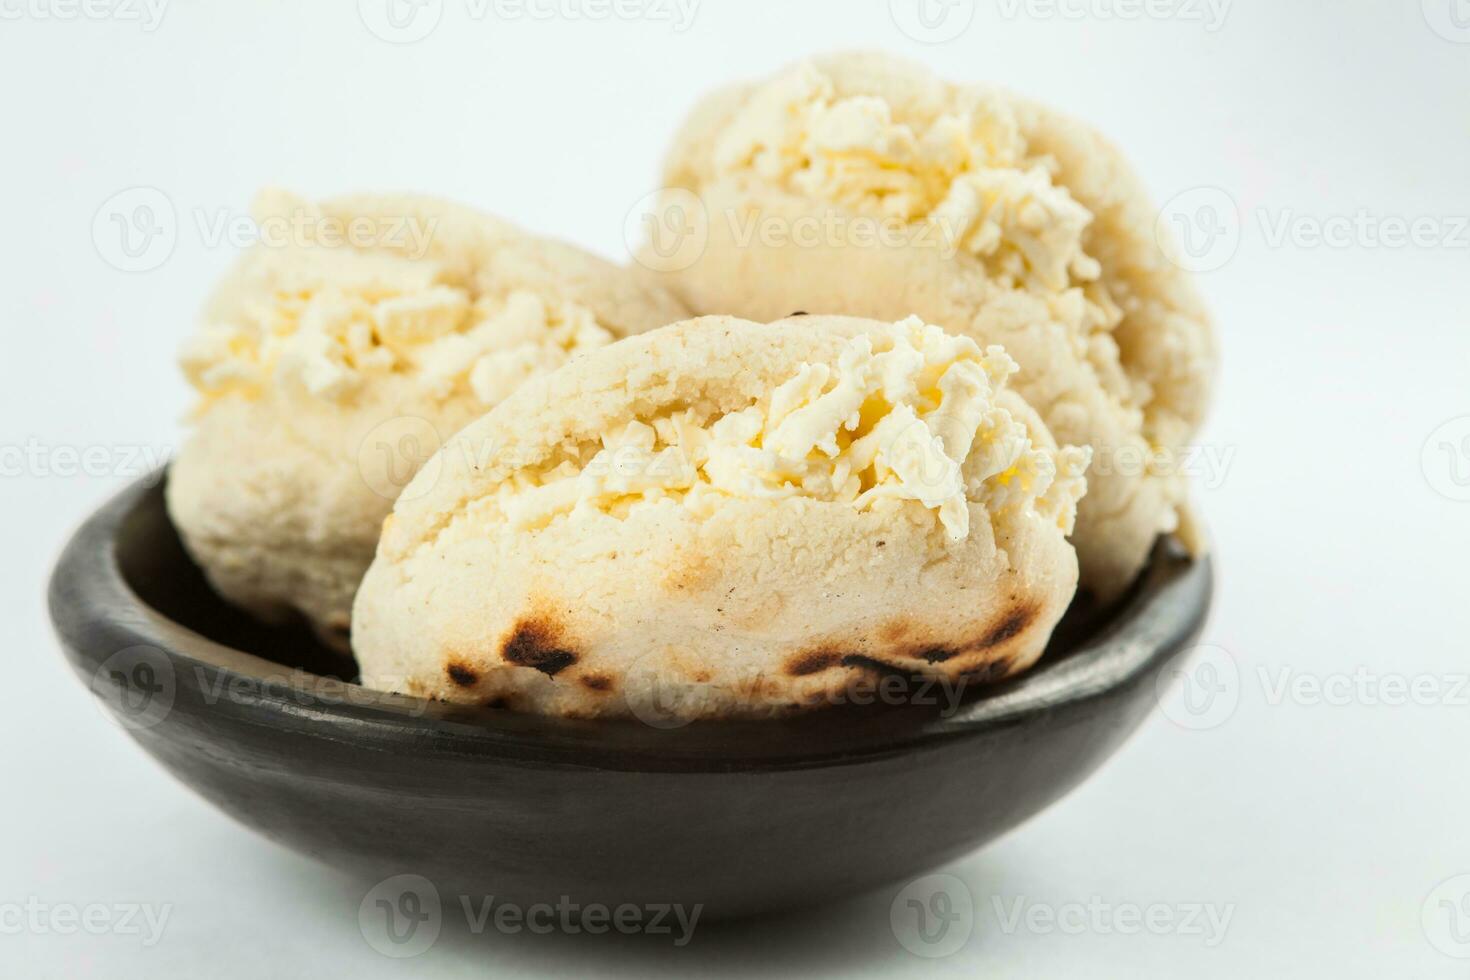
[1323, 828]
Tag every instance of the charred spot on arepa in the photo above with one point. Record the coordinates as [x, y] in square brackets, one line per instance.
[937, 654]
[810, 662]
[898, 642]
[596, 682]
[1009, 626]
[817, 661]
[536, 641]
[461, 673]
[875, 665]
[937, 651]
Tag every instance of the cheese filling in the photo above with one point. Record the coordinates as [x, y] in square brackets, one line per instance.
[909, 415]
[325, 320]
[966, 172]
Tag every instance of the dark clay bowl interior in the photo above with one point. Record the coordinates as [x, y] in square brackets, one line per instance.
[740, 817]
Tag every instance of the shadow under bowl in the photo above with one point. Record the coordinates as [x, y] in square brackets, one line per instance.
[740, 817]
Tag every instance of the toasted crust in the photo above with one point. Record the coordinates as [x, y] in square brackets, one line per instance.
[759, 607]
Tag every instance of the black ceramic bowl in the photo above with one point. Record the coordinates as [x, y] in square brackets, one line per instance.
[740, 817]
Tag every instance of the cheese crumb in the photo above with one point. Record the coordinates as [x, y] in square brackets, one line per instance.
[325, 320]
[907, 413]
[966, 173]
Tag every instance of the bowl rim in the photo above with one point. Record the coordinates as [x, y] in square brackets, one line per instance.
[97, 613]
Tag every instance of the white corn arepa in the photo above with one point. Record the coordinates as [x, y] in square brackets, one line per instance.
[864, 185]
[728, 519]
[347, 343]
